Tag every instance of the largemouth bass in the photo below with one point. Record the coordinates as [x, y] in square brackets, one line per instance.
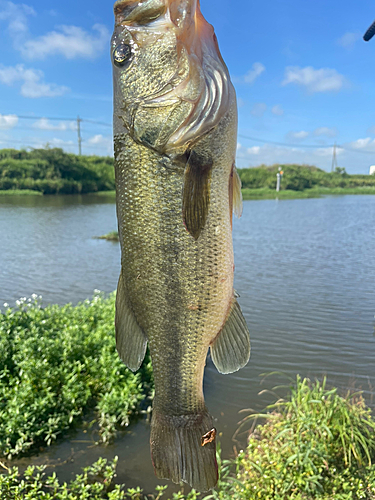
[175, 127]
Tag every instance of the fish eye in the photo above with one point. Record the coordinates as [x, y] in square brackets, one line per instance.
[121, 54]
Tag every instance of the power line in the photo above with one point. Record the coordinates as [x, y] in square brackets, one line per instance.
[337, 146]
[46, 118]
[77, 122]
[285, 144]
[98, 123]
[55, 118]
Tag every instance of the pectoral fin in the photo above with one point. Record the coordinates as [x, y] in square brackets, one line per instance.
[237, 194]
[131, 342]
[196, 193]
[230, 350]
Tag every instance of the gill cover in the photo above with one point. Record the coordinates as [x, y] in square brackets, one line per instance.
[188, 93]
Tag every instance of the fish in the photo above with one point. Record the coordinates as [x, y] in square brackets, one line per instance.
[175, 139]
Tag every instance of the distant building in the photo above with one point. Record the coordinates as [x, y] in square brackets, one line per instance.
[372, 170]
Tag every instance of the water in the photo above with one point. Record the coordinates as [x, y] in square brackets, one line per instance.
[48, 247]
[305, 272]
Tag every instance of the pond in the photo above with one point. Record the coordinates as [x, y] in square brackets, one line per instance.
[305, 272]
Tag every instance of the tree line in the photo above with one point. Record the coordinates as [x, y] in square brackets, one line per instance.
[301, 177]
[53, 171]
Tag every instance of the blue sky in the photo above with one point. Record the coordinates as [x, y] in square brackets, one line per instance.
[303, 75]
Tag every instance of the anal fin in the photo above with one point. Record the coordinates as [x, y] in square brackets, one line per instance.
[230, 350]
[131, 342]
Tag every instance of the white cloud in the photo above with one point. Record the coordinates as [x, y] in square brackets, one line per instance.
[239, 146]
[368, 144]
[259, 109]
[255, 150]
[314, 80]
[328, 132]
[257, 69]
[45, 124]
[8, 121]
[100, 142]
[32, 84]
[328, 152]
[16, 15]
[348, 40]
[70, 41]
[270, 154]
[277, 110]
[54, 142]
[302, 134]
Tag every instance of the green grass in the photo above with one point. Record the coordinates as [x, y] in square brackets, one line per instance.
[106, 193]
[289, 194]
[315, 444]
[271, 194]
[312, 445]
[58, 365]
[112, 236]
[17, 192]
[96, 482]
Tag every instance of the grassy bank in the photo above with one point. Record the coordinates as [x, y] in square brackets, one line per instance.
[58, 365]
[18, 192]
[289, 194]
[112, 236]
[314, 444]
[52, 171]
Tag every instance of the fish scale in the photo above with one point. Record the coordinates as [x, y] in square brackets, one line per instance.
[174, 204]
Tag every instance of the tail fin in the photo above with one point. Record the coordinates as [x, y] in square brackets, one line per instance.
[183, 449]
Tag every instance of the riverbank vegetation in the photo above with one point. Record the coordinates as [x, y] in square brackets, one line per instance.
[52, 171]
[303, 177]
[315, 444]
[59, 368]
[58, 362]
[112, 236]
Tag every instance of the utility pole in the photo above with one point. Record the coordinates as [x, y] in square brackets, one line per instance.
[79, 135]
[334, 159]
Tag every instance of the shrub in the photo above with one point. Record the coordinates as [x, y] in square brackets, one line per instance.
[53, 171]
[95, 483]
[315, 445]
[56, 364]
[300, 177]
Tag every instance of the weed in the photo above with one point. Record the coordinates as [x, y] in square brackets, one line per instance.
[56, 364]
